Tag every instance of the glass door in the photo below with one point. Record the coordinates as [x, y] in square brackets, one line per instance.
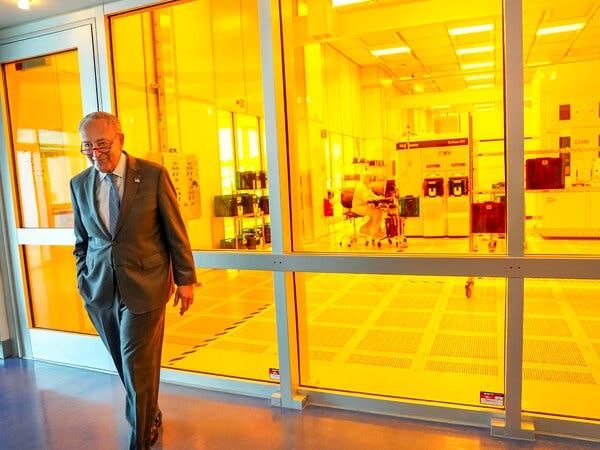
[48, 83]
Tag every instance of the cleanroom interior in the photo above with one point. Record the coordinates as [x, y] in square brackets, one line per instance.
[404, 95]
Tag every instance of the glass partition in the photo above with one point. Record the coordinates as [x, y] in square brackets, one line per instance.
[561, 350]
[412, 337]
[55, 302]
[399, 109]
[187, 85]
[229, 331]
[562, 119]
[44, 108]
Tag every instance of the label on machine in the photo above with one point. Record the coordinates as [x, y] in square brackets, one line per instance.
[491, 398]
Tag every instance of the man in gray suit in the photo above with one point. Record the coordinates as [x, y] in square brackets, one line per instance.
[131, 248]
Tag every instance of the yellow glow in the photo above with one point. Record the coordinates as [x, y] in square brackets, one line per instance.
[560, 29]
[390, 51]
[336, 3]
[483, 76]
[481, 86]
[535, 64]
[440, 107]
[472, 50]
[23, 4]
[469, 30]
[477, 65]
[165, 20]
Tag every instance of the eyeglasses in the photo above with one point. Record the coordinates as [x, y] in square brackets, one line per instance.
[87, 148]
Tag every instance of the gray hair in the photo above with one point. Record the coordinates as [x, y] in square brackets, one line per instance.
[112, 120]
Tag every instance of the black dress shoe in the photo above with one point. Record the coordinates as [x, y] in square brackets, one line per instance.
[156, 424]
[153, 435]
[158, 419]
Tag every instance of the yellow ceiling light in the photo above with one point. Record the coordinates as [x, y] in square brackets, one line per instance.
[560, 29]
[472, 29]
[440, 107]
[390, 51]
[23, 4]
[483, 76]
[481, 65]
[336, 3]
[473, 50]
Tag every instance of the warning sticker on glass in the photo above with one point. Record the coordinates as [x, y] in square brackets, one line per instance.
[274, 374]
[491, 398]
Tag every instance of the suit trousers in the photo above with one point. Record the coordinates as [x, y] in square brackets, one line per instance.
[135, 345]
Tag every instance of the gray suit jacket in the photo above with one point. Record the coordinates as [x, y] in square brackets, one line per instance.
[150, 250]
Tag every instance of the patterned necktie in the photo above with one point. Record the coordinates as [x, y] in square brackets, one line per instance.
[114, 204]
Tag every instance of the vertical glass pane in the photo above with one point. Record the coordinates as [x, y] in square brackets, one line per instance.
[187, 83]
[411, 337]
[562, 120]
[229, 331]
[398, 115]
[44, 107]
[561, 351]
[55, 302]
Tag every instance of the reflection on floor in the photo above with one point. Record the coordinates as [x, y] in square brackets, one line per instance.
[52, 407]
[406, 337]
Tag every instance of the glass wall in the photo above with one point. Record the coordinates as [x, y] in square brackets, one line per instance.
[44, 106]
[398, 114]
[561, 351]
[45, 143]
[411, 337]
[229, 331]
[562, 120]
[187, 87]
[191, 99]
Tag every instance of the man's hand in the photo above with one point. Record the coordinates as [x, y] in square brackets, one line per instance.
[186, 295]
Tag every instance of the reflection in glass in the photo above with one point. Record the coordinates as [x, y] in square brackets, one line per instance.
[44, 102]
[407, 337]
[413, 94]
[561, 350]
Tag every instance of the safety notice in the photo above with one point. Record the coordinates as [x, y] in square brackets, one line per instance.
[274, 374]
[491, 398]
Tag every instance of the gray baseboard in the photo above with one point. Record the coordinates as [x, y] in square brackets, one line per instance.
[6, 349]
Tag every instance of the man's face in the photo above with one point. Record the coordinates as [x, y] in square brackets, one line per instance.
[105, 144]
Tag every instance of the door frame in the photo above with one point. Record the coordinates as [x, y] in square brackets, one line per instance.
[31, 342]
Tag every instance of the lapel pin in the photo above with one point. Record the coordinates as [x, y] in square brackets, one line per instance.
[136, 179]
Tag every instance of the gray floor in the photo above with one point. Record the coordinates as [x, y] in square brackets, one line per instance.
[49, 406]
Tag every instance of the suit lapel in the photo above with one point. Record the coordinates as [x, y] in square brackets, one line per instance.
[132, 182]
[90, 193]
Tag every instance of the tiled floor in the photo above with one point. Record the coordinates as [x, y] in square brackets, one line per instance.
[45, 406]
